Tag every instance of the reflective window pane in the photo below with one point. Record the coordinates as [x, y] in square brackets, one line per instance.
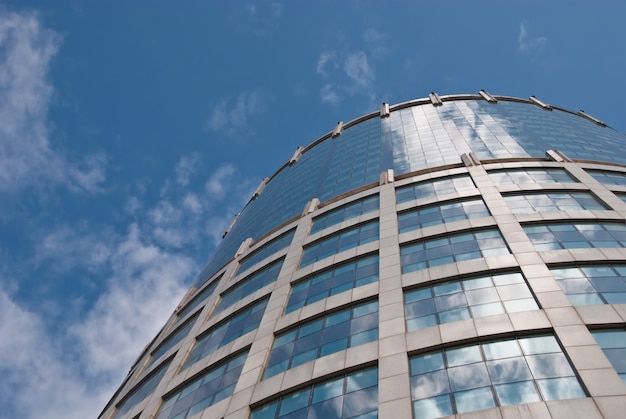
[345, 212]
[489, 374]
[592, 284]
[352, 395]
[453, 248]
[213, 385]
[319, 337]
[461, 299]
[338, 242]
[344, 277]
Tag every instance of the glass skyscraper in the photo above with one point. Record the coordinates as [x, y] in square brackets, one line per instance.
[452, 255]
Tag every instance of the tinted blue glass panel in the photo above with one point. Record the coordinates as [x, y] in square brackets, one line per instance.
[489, 374]
[552, 236]
[345, 212]
[353, 395]
[340, 278]
[217, 383]
[198, 299]
[553, 201]
[331, 333]
[344, 240]
[267, 250]
[141, 391]
[439, 214]
[462, 299]
[453, 248]
[613, 343]
[441, 186]
[593, 284]
[234, 326]
[609, 178]
[174, 338]
[525, 176]
[249, 285]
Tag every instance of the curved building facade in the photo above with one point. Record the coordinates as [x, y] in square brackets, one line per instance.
[453, 255]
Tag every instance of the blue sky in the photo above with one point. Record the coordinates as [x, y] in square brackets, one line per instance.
[132, 132]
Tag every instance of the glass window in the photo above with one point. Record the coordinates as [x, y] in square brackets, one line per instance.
[215, 384]
[319, 337]
[462, 299]
[249, 285]
[436, 187]
[443, 213]
[345, 212]
[592, 284]
[174, 338]
[497, 373]
[234, 326]
[552, 236]
[353, 395]
[336, 243]
[452, 248]
[531, 175]
[142, 390]
[340, 278]
[198, 299]
[553, 201]
[613, 343]
[609, 178]
[265, 251]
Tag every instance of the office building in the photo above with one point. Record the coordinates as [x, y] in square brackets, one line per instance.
[452, 255]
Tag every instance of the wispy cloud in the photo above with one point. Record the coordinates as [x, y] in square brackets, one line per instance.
[219, 181]
[324, 58]
[262, 16]
[186, 167]
[529, 45]
[36, 367]
[346, 74]
[358, 69]
[26, 156]
[232, 116]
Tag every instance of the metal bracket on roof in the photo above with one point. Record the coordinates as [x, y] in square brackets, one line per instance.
[245, 245]
[260, 188]
[591, 118]
[230, 226]
[536, 101]
[384, 110]
[435, 99]
[311, 206]
[387, 177]
[487, 97]
[338, 129]
[296, 156]
[556, 155]
[470, 159]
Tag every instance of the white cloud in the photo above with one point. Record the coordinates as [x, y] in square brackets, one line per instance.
[186, 167]
[39, 380]
[233, 116]
[358, 69]
[529, 45]
[72, 374]
[146, 280]
[325, 58]
[351, 74]
[71, 247]
[329, 94]
[26, 157]
[133, 204]
[219, 182]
